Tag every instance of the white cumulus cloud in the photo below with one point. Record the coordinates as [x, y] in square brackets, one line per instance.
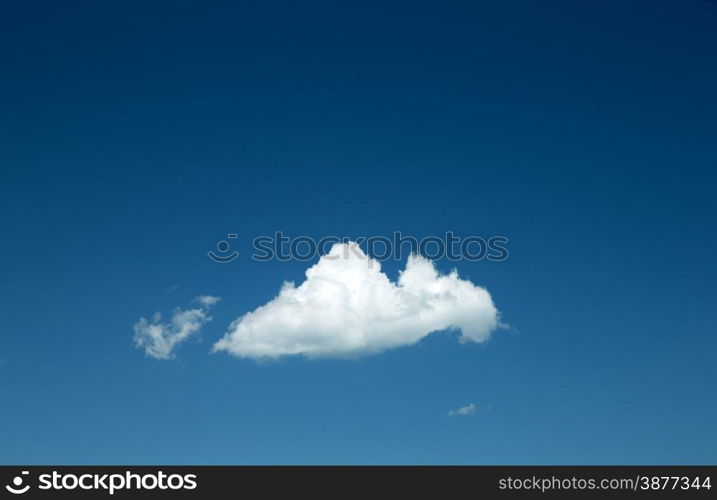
[160, 338]
[347, 307]
[469, 409]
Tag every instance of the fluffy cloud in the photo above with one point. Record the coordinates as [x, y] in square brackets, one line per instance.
[347, 307]
[159, 339]
[469, 409]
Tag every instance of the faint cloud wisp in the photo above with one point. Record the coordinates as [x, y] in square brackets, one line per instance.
[160, 338]
[463, 411]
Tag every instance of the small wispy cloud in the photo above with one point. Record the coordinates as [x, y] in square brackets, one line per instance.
[463, 411]
[207, 300]
[160, 338]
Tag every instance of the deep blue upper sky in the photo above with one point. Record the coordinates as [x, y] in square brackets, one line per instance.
[135, 135]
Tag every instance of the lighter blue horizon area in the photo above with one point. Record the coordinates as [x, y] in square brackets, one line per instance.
[136, 136]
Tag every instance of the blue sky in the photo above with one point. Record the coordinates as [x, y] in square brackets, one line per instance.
[134, 136]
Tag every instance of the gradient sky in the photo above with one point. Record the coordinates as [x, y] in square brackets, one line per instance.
[135, 135]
